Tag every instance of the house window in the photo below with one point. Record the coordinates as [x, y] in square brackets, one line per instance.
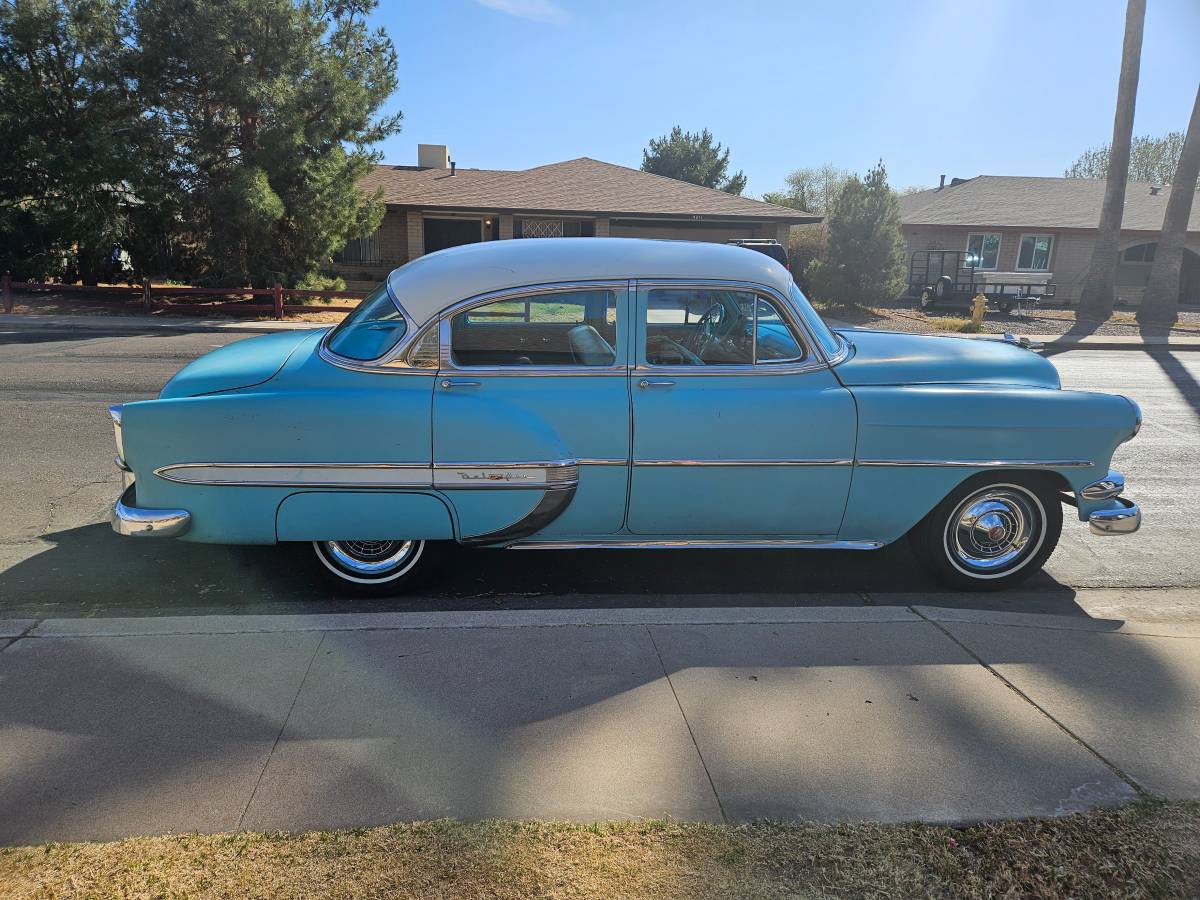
[1034, 255]
[537, 228]
[983, 250]
[360, 250]
[1134, 268]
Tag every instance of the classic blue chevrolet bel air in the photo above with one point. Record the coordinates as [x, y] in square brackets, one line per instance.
[618, 393]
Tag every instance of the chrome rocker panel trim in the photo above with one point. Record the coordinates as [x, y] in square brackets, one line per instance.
[133, 521]
[651, 544]
[981, 463]
[1125, 520]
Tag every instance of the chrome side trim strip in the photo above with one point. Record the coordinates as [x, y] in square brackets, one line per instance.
[603, 462]
[651, 544]
[742, 463]
[300, 474]
[981, 463]
[553, 475]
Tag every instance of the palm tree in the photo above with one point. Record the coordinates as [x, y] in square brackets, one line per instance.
[1160, 303]
[1099, 291]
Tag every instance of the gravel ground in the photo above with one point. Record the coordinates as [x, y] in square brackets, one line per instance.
[1046, 320]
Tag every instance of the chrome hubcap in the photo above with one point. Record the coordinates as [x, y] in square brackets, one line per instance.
[371, 559]
[994, 529]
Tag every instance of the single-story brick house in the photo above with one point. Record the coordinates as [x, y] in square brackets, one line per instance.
[436, 204]
[1036, 225]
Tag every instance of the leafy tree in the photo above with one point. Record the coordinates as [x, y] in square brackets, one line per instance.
[1152, 159]
[864, 262]
[270, 109]
[72, 138]
[812, 189]
[1100, 289]
[692, 157]
[1160, 303]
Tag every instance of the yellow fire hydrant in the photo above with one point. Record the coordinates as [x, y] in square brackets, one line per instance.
[978, 305]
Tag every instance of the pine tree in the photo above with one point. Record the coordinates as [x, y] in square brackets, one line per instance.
[269, 110]
[692, 157]
[864, 262]
[71, 147]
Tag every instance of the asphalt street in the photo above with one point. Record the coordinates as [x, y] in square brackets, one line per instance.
[58, 556]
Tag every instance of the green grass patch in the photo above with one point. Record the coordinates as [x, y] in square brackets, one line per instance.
[953, 323]
[1147, 849]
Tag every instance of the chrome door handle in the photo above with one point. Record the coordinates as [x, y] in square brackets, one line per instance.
[646, 383]
[455, 382]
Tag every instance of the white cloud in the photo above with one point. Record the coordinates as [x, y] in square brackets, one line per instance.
[537, 10]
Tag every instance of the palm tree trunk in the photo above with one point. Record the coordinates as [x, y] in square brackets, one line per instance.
[1160, 303]
[1099, 291]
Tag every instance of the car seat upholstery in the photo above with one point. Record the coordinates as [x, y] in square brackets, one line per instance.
[590, 348]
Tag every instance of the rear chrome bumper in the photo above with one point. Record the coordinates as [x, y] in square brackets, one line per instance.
[133, 521]
[1123, 519]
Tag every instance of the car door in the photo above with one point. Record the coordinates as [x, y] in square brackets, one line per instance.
[531, 412]
[739, 426]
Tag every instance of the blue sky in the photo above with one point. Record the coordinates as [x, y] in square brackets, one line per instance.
[1002, 87]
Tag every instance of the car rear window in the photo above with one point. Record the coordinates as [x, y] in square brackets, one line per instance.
[371, 330]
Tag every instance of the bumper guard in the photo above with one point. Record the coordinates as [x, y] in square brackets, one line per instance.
[1123, 519]
[133, 521]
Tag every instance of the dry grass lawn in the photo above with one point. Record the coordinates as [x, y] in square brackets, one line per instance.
[1148, 849]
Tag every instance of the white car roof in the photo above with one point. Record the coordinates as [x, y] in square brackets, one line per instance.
[430, 283]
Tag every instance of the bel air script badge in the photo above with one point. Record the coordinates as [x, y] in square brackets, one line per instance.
[496, 476]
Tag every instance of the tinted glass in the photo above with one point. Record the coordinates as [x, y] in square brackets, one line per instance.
[1035, 252]
[574, 328]
[371, 330]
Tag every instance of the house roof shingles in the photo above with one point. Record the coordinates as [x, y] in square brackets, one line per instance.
[587, 186]
[1013, 201]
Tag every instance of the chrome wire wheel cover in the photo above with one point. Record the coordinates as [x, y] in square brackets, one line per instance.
[995, 531]
[369, 561]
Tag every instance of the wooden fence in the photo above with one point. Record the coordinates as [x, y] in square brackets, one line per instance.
[244, 305]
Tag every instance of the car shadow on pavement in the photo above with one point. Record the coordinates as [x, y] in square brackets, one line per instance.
[89, 571]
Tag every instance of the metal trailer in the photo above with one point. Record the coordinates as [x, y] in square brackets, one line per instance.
[951, 278]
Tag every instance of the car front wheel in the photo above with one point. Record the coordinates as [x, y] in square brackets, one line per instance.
[990, 533]
[376, 568]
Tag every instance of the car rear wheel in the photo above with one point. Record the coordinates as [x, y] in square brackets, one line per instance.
[991, 532]
[376, 568]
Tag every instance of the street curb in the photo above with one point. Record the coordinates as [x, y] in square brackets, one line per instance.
[14, 628]
[948, 616]
[147, 323]
[402, 621]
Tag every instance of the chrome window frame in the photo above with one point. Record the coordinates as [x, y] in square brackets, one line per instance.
[442, 323]
[397, 360]
[386, 361]
[813, 360]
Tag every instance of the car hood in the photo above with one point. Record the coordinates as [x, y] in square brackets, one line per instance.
[888, 357]
[239, 365]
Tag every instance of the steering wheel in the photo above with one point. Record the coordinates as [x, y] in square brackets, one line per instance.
[706, 330]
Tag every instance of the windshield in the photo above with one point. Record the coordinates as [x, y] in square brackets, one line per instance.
[828, 340]
[371, 330]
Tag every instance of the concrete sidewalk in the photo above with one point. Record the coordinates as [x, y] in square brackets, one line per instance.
[122, 727]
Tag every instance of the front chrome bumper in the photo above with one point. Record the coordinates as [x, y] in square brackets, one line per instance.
[1123, 519]
[133, 521]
